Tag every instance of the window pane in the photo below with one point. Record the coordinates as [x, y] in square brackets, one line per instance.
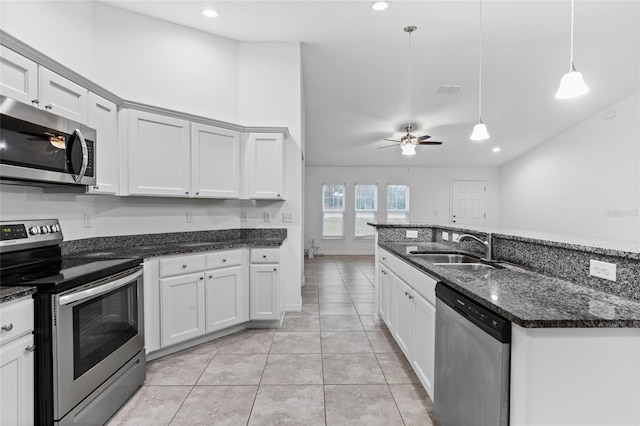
[396, 217]
[397, 199]
[332, 197]
[332, 225]
[362, 229]
[366, 197]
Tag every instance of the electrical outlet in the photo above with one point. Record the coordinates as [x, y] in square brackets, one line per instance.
[455, 238]
[88, 220]
[267, 216]
[287, 217]
[189, 217]
[602, 270]
[244, 217]
[412, 234]
[445, 235]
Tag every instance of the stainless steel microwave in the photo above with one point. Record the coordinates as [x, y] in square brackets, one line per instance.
[38, 147]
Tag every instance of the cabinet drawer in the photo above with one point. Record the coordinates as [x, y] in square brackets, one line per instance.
[16, 318]
[268, 255]
[224, 258]
[182, 265]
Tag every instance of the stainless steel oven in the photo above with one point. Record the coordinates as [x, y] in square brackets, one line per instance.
[89, 323]
[97, 328]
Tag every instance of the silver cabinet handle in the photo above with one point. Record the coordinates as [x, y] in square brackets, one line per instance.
[85, 155]
[7, 327]
[30, 348]
[48, 106]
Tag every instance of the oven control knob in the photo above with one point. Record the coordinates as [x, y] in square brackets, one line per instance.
[34, 230]
[44, 229]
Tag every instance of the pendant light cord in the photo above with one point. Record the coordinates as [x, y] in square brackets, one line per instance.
[571, 67]
[409, 127]
[480, 70]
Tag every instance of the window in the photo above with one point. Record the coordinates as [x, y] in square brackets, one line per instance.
[366, 208]
[333, 211]
[397, 203]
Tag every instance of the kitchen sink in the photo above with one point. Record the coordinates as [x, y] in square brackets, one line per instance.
[445, 257]
[468, 266]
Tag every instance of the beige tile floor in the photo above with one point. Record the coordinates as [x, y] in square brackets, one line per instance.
[331, 364]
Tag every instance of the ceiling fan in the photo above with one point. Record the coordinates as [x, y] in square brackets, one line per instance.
[409, 142]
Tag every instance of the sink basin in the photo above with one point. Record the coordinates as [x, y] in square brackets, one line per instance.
[468, 266]
[445, 257]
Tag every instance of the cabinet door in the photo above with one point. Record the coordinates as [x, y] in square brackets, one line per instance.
[19, 77]
[225, 298]
[103, 116]
[382, 292]
[63, 97]
[264, 303]
[16, 382]
[183, 308]
[159, 155]
[264, 165]
[403, 310]
[424, 332]
[215, 162]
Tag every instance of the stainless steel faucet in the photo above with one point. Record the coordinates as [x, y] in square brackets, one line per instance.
[487, 244]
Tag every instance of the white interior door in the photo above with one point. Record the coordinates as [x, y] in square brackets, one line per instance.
[467, 202]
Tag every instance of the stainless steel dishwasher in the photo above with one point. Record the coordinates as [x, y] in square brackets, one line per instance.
[473, 347]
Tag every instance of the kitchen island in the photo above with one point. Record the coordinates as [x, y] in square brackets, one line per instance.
[575, 352]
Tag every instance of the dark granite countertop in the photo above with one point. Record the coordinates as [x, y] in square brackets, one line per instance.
[527, 298]
[11, 293]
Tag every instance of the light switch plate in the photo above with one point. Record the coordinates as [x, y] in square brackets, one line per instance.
[244, 217]
[88, 220]
[601, 269]
[267, 216]
[189, 216]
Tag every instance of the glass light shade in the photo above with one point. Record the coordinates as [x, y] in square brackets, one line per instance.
[408, 149]
[572, 85]
[380, 5]
[480, 132]
[210, 13]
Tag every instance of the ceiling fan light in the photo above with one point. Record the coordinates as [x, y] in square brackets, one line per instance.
[408, 149]
[380, 5]
[210, 13]
[572, 85]
[480, 132]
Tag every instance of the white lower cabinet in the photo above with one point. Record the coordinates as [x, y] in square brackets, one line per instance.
[406, 303]
[182, 308]
[265, 292]
[225, 298]
[16, 363]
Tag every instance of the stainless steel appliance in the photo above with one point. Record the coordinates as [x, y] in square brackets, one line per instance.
[473, 348]
[38, 146]
[89, 331]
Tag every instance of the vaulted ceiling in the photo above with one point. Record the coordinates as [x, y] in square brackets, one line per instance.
[355, 65]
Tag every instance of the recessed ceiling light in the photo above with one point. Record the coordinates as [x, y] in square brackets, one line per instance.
[210, 13]
[496, 149]
[380, 5]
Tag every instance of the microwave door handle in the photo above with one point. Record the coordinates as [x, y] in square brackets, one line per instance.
[85, 156]
[90, 293]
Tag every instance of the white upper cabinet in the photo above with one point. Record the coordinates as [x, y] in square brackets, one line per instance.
[30, 83]
[264, 166]
[159, 155]
[103, 116]
[63, 97]
[18, 77]
[215, 162]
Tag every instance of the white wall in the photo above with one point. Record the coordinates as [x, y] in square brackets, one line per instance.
[151, 61]
[429, 198]
[585, 181]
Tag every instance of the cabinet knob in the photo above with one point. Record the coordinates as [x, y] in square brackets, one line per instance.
[96, 187]
[186, 192]
[406, 293]
[410, 297]
[198, 193]
[30, 348]
[275, 269]
[184, 266]
[384, 258]
[202, 278]
[48, 106]
[264, 256]
[210, 276]
[7, 327]
[224, 260]
[35, 101]
[278, 195]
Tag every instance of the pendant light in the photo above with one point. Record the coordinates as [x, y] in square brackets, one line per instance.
[408, 143]
[572, 83]
[480, 132]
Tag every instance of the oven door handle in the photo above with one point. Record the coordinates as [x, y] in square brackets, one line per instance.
[90, 293]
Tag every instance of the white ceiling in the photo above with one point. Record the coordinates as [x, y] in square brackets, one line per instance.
[355, 69]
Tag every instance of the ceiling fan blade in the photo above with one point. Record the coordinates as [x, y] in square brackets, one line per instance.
[393, 140]
[423, 138]
[430, 143]
[388, 146]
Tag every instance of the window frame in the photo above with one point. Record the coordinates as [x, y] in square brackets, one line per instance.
[407, 209]
[341, 211]
[356, 210]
